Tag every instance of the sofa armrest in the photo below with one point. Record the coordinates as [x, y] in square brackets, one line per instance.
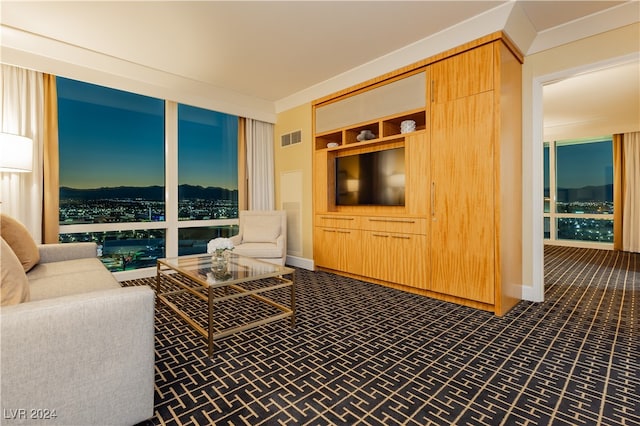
[236, 240]
[89, 357]
[67, 251]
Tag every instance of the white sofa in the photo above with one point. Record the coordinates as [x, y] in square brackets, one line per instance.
[80, 351]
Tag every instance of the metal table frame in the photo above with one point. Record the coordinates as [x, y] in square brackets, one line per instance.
[204, 290]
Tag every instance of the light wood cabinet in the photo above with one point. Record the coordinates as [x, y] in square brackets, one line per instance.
[458, 235]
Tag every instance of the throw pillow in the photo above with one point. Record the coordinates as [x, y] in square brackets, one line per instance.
[14, 286]
[261, 229]
[20, 240]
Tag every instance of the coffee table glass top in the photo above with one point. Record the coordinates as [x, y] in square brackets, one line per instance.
[238, 269]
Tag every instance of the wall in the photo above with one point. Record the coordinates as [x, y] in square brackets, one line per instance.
[288, 161]
[591, 53]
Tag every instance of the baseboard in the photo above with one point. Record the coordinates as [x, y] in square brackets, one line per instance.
[531, 295]
[301, 262]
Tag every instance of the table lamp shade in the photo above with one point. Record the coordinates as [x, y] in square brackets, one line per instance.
[16, 153]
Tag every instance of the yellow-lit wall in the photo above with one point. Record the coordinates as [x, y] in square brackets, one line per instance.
[296, 157]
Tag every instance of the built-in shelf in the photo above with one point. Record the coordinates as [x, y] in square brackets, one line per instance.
[384, 129]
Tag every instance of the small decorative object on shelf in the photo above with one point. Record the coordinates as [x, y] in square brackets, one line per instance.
[407, 126]
[332, 145]
[365, 135]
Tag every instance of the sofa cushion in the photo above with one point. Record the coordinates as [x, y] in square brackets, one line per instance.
[260, 229]
[48, 280]
[20, 240]
[14, 287]
[87, 265]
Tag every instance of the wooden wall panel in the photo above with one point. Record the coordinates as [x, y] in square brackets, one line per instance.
[462, 172]
[462, 75]
[417, 174]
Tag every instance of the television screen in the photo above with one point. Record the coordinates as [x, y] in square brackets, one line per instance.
[373, 178]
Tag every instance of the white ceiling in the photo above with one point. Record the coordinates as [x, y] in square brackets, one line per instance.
[272, 50]
[593, 103]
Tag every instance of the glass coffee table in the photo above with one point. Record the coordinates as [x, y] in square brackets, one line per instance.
[243, 276]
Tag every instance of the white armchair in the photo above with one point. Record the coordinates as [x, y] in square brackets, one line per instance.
[263, 235]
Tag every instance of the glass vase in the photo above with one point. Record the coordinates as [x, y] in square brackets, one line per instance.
[219, 263]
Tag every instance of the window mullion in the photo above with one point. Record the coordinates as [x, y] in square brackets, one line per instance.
[171, 178]
[553, 191]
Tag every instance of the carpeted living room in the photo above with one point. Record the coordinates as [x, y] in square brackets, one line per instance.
[363, 354]
[319, 213]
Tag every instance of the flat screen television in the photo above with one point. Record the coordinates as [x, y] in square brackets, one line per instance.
[371, 179]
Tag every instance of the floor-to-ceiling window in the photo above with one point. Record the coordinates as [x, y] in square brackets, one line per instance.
[207, 176]
[578, 191]
[138, 191]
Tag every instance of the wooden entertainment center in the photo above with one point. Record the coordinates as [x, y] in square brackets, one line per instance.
[455, 232]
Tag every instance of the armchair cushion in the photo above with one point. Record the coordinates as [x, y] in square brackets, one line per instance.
[20, 240]
[261, 229]
[260, 250]
[13, 280]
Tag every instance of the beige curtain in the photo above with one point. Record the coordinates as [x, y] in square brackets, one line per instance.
[21, 113]
[626, 197]
[243, 201]
[51, 195]
[260, 164]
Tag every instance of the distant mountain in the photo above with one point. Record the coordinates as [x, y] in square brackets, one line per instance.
[191, 192]
[586, 193]
[150, 193]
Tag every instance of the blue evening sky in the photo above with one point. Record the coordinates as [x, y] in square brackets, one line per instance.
[580, 165]
[207, 148]
[112, 138]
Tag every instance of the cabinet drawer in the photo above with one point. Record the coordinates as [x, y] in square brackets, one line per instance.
[397, 258]
[338, 221]
[395, 224]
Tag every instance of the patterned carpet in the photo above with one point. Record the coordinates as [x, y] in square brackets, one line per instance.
[363, 354]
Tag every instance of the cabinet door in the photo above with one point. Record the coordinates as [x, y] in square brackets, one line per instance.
[462, 198]
[462, 75]
[397, 258]
[338, 249]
